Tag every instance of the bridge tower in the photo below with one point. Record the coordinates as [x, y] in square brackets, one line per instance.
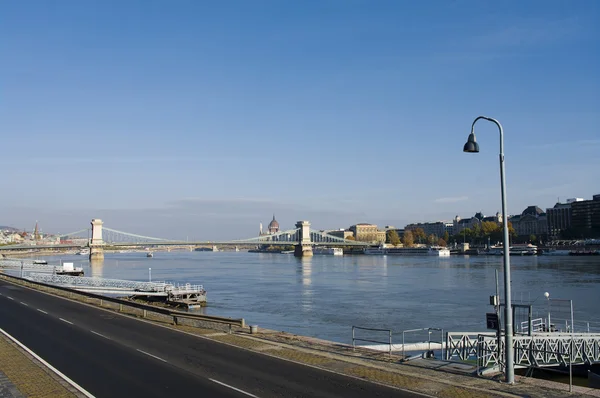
[304, 247]
[96, 244]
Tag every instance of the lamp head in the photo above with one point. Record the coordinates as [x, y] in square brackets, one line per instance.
[546, 294]
[471, 145]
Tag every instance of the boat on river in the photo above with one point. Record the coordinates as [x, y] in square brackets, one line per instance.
[328, 251]
[436, 251]
[514, 250]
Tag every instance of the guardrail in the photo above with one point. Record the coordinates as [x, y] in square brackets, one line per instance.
[354, 338]
[143, 310]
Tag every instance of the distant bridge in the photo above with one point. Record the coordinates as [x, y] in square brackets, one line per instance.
[302, 238]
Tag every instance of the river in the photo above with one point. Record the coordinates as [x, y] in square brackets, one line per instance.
[324, 296]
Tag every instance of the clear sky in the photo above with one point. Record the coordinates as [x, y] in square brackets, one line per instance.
[202, 119]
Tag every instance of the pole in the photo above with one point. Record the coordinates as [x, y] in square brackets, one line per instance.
[21, 269]
[508, 327]
[571, 353]
[149, 274]
[549, 324]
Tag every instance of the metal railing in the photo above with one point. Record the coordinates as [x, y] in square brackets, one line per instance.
[354, 338]
[175, 316]
[429, 341]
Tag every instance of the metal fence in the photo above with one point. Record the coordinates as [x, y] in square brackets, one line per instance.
[138, 309]
[355, 339]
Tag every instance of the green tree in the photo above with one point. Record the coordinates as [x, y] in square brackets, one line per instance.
[431, 239]
[392, 237]
[477, 232]
[419, 235]
[489, 227]
[446, 236]
[532, 238]
[408, 238]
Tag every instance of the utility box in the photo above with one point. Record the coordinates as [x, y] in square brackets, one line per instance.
[494, 301]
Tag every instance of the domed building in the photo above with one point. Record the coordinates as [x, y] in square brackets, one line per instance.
[273, 226]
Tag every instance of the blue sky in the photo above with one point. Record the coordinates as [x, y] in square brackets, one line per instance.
[202, 119]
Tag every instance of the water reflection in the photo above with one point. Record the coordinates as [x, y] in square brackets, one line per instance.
[324, 296]
[96, 268]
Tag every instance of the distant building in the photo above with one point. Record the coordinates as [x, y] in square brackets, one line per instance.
[341, 233]
[430, 228]
[272, 228]
[559, 219]
[532, 221]
[585, 217]
[364, 232]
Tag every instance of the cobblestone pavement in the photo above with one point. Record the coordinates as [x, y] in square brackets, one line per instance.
[23, 376]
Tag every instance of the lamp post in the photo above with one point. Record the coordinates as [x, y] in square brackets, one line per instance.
[547, 295]
[473, 146]
[149, 274]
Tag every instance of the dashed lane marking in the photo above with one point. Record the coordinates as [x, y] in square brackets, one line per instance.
[64, 320]
[153, 356]
[99, 334]
[233, 388]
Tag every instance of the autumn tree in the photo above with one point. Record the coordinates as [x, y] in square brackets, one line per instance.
[442, 242]
[408, 239]
[419, 235]
[431, 239]
[392, 237]
[446, 236]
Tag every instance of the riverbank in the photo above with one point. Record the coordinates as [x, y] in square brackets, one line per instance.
[430, 377]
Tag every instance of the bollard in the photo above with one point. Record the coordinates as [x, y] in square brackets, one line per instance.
[253, 329]
[144, 314]
[120, 307]
[230, 328]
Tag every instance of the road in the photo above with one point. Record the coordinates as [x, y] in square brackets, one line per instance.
[112, 355]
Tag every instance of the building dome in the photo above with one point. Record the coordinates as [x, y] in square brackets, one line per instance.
[273, 225]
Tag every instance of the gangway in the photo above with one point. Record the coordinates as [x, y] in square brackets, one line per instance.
[119, 286]
[36, 266]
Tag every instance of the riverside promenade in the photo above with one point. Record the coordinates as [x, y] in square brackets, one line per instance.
[22, 375]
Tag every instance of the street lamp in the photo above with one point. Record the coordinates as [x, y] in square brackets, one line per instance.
[473, 146]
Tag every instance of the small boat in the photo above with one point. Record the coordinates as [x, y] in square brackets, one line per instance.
[83, 252]
[40, 262]
[149, 254]
[330, 251]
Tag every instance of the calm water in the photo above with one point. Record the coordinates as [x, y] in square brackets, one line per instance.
[324, 296]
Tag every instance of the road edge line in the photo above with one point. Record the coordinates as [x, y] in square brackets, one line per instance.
[52, 368]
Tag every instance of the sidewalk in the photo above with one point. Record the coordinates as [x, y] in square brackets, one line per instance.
[21, 375]
[435, 378]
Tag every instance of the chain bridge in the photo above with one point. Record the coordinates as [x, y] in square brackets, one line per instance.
[98, 237]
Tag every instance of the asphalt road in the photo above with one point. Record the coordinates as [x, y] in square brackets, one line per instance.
[115, 356]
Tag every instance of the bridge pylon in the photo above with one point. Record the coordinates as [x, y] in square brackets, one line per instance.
[304, 247]
[96, 243]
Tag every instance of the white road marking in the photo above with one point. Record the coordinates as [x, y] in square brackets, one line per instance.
[24, 303]
[42, 311]
[153, 356]
[233, 388]
[64, 320]
[101, 335]
[10, 297]
[52, 368]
